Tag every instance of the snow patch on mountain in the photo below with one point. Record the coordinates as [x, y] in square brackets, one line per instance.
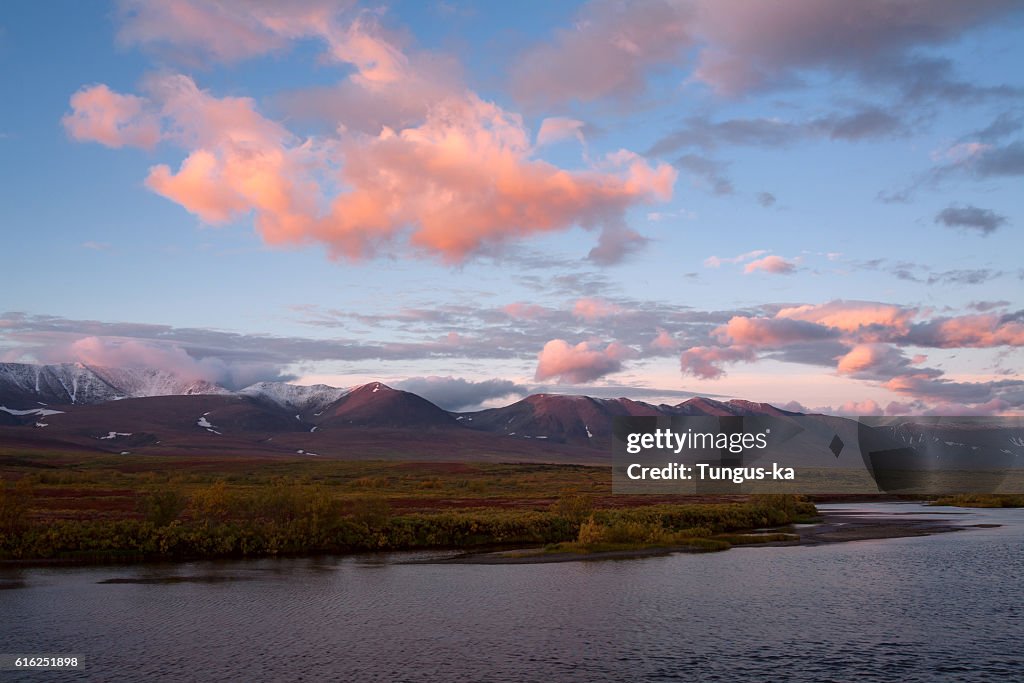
[205, 424]
[41, 412]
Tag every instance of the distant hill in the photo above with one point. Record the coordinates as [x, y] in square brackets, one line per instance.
[75, 406]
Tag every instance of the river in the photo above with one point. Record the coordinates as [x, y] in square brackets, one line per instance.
[948, 606]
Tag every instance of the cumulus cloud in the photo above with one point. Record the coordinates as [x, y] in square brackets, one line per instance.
[464, 168]
[584, 362]
[984, 396]
[457, 393]
[664, 341]
[101, 115]
[465, 176]
[591, 309]
[771, 332]
[869, 341]
[984, 221]
[386, 88]
[862, 317]
[857, 408]
[872, 360]
[969, 331]
[771, 264]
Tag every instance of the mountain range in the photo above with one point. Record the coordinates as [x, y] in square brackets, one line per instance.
[130, 410]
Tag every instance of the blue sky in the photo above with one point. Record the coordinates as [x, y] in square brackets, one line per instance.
[817, 203]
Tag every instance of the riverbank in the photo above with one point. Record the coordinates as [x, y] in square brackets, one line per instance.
[835, 526]
[320, 528]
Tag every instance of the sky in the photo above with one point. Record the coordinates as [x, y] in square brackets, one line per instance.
[812, 203]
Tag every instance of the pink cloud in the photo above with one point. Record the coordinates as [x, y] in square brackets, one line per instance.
[931, 386]
[607, 52]
[101, 115]
[865, 407]
[467, 183]
[664, 341]
[363, 44]
[862, 317]
[591, 309]
[867, 341]
[240, 162]
[872, 358]
[771, 332]
[110, 353]
[580, 363]
[771, 264]
[705, 361]
[224, 30]
[973, 331]
[119, 353]
[368, 106]
[465, 177]
[386, 88]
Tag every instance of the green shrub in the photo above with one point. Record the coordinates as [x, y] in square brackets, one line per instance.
[15, 500]
[591, 533]
[162, 506]
[575, 507]
[372, 512]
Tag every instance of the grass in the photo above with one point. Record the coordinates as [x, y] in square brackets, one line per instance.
[982, 500]
[623, 533]
[56, 506]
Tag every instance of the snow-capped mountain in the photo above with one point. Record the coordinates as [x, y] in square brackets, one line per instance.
[24, 385]
[311, 399]
[142, 382]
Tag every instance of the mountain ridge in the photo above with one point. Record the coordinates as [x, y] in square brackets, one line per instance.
[84, 407]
